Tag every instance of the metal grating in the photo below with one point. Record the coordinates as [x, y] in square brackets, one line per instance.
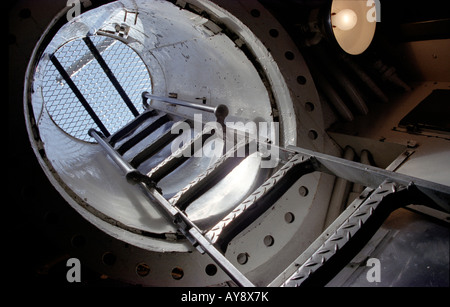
[85, 71]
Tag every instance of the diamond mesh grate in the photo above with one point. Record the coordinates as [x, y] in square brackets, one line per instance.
[64, 107]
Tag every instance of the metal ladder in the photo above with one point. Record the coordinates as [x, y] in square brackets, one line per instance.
[385, 192]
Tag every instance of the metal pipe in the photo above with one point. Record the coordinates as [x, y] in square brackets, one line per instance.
[341, 79]
[329, 92]
[221, 111]
[133, 176]
[340, 193]
[364, 77]
[332, 96]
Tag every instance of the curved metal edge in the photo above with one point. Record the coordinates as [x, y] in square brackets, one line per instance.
[110, 226]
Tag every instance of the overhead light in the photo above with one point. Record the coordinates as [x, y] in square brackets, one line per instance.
[350, 25]
[344, 20]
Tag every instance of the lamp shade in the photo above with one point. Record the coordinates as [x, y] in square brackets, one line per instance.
[351, 25]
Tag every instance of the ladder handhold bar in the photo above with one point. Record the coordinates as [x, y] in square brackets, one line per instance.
[221, 111]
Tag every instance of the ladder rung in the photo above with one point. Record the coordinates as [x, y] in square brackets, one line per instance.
[131, 127]
[179, 157]
[156, 124]
[161, 142]
[216, 172]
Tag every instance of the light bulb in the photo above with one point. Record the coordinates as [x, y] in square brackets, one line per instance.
[345, 20]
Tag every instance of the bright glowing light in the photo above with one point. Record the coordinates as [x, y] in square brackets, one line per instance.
[345, 20]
